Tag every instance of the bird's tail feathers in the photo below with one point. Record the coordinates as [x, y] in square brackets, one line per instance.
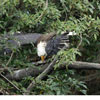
[72, 33]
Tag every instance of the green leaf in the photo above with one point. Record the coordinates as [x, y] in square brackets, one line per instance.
[83, 91]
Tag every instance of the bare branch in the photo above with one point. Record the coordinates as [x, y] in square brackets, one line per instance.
[89, 78]
[31, 71]
[46, 5]
[10, 58]
[34, 71]
[10, 82]
[84, 65]
[80, 42]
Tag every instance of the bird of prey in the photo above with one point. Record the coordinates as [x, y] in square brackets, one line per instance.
[50, 44]
[47, 44]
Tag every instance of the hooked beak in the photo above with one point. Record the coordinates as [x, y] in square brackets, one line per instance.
[42, 58]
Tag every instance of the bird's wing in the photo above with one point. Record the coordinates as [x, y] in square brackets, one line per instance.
[15, 41]
[46, 37]
[57, 43]
[28, 38]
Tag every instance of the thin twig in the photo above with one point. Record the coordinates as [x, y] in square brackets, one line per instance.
[64, 6]
[89, 78]
[80, 42]
[10, 58]
[10, 82]
[46, 5]
[6, 68]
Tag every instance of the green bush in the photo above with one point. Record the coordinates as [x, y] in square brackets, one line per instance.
[61, 83]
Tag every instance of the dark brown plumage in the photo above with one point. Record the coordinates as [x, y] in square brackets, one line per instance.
[50, 44]
[45, 37]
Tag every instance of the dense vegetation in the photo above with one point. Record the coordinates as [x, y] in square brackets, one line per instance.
[44, 16]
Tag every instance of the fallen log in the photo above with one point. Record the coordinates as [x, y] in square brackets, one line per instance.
[34, 71]
[21, 73]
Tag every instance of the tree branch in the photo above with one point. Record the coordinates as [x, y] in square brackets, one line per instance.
[10, 59]
[10, 82]
[34, 71]
[31, 71]
[84, 65]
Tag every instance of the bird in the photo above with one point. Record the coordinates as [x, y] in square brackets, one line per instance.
[42, 44]
[50, 44]
[46, 44]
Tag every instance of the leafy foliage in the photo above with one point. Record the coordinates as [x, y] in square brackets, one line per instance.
[81, 16]
[61, 83]
[66, 55]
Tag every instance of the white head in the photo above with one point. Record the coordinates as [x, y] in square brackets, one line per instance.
[41, 49]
